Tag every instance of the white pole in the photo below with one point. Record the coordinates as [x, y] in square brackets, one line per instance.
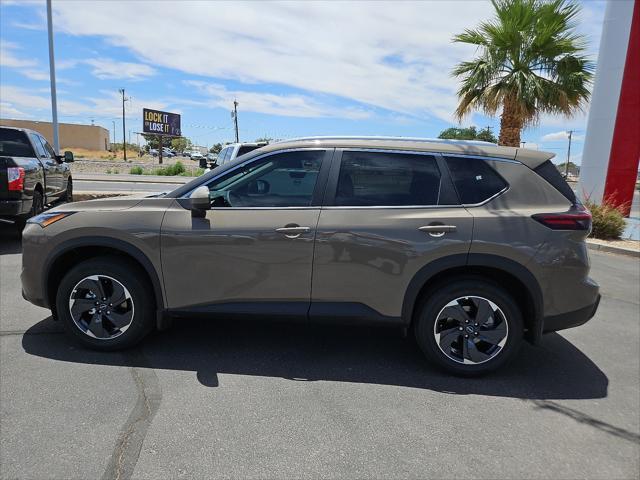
[52, 75]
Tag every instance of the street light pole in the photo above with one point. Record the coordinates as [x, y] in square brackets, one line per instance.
[235, 119]
[124, 128]
[52, 77]
[566, 167]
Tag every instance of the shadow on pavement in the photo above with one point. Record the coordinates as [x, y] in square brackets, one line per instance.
[554, 370]
[10, 238]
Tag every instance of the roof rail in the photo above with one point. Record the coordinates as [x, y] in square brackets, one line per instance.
[386, 138]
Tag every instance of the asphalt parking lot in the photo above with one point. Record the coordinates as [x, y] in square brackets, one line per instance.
[225, 400]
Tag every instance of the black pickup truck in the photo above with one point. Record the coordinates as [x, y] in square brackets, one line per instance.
[32, 175]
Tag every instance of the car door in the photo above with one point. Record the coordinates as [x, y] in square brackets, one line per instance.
[387, 215]
[55, 177]
[252, 252]
[47, 165]
[61, 168]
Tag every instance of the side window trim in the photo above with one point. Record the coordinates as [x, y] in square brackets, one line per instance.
[319, 188]
[446, 183]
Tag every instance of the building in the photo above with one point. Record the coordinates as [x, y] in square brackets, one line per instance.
[89, 137]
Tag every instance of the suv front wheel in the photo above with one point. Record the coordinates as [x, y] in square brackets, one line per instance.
[469, 327]
[104, 303]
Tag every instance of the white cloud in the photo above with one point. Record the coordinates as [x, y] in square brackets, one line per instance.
[7, 110]
[106, 68]
[40, 75]
[560, 136]
[396, 56]
[555, 136]
[285, 105]
[32, 103]
[8, 58]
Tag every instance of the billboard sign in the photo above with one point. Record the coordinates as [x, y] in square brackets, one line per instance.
[161, 123]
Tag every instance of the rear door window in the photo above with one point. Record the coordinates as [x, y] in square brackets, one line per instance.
[387, 179]
[474, 179]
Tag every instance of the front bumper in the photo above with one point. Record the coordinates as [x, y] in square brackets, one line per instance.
[571, 319]
[34, 242]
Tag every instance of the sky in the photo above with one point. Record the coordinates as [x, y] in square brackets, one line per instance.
[295, 68]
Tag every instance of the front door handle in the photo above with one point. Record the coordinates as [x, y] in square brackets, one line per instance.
[291, 231]
[438, 230]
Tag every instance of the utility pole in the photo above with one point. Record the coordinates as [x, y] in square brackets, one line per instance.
[124, 130]
[566, 167]
[52, 78]
[235, 119]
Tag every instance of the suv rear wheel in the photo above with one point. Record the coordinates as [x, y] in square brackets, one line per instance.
[469, 327]
[103, 302]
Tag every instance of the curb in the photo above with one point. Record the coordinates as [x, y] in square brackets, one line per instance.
[611, 249]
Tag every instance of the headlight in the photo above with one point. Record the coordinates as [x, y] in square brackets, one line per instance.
[47, 218]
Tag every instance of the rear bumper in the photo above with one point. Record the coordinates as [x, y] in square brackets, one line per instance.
[571, 319]
[12, 208]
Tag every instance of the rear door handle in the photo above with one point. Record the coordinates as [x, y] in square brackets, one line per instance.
[293, 232]
[437, 230]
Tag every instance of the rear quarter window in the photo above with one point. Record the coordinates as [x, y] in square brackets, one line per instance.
[474, 179]
[550, 173]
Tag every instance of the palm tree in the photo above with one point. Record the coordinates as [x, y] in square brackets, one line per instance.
[530, 61]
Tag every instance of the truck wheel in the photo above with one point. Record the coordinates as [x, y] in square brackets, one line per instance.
[69, 195]
[37, 204]
[105, 303]
[469, 327]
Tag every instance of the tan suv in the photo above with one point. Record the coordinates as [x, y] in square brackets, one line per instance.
[472, 247]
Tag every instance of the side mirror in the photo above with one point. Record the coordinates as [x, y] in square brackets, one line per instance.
[68, 156]
[199, 200]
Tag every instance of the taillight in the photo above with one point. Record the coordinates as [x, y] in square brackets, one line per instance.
[578, 218]
[15, 178]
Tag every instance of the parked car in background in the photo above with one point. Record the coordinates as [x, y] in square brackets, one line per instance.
[196, 156]
[469, 246]
[233, 150]
[32, 175]
[153, 152]
[167, 152]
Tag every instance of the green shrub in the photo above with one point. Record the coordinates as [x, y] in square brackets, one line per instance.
[608, 221]
[170, 170]
[136, 171]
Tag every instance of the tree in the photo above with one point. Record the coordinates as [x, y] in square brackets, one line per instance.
[530, 62]
[470, 133]
[180, 144]
[264, 139]
[216, 148]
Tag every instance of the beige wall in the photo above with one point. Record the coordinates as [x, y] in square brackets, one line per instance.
[90, 137]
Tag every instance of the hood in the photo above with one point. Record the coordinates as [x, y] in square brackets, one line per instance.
[105, 204]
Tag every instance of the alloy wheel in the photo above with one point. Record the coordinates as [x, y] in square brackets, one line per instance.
[471, 330]
[101, 307]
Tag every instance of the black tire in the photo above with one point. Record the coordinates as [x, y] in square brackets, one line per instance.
[68, 198]
[141, 306]
[37, 203]
[478, 289]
